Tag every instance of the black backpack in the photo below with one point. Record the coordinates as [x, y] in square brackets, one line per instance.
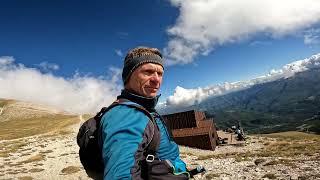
[88, 136]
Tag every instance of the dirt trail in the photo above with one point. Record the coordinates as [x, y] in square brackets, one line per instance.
[76, 127]
[1, 110]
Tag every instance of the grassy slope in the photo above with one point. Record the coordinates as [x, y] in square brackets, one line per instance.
[18, 128]
[292, 143]
[286, 145]
[4, 102]
[283, 105]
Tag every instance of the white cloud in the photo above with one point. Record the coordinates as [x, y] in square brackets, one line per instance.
[115, 74]
[46, 66]
[77, 94]
[186, 97]
[6, 60]
[118, 52]
[312, 37]
[260, 43]
[203, 25]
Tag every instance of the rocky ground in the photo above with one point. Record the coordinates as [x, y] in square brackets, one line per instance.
[55, 156]
[250, 162]
[48, 156]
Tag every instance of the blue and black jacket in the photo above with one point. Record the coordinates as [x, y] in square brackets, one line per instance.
[125, 134]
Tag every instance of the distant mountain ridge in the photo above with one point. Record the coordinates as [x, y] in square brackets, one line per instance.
[184, 98]
[285, 104]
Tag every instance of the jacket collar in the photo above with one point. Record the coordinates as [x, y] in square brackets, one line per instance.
[146, 102]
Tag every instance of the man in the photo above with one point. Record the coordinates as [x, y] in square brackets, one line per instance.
[126, 132]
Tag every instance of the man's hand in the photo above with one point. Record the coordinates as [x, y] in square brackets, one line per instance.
[197, 170]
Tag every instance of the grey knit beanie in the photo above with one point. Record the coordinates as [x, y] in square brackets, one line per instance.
[134, 61]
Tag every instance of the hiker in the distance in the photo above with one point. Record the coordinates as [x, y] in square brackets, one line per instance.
[126, 132]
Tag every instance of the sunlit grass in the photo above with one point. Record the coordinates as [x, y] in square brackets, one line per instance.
[287, 162]
[292, 144]
[35, 158]
[87, 116]
[11, 147]
[286, 144]
[212, 175]
[33, 170]
[25, 178]
[294, 135]
[70, 170]
[270, 176]
[4, 102]
[16, 128]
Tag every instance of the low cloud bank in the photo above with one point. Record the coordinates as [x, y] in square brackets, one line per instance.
[77, 94]
[186, 97]
[203, 25]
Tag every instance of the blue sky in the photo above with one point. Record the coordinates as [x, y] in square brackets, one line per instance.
[80, 35]
[205, 42]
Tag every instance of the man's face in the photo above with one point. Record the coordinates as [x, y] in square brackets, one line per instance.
[146, 80]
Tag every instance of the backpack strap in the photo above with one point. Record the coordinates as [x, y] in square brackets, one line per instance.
[103, 110]
[153, 145]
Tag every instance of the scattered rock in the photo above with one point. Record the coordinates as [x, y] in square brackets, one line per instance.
[293, 177]
[284, 171]
[270, 176]
[259, 161]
